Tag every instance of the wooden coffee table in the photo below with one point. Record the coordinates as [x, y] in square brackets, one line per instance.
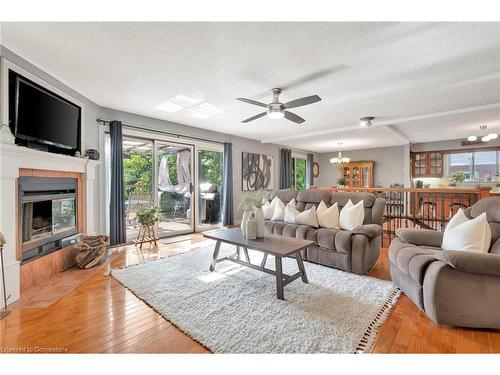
[276, 246]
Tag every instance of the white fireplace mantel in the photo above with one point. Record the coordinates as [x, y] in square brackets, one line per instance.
[13, 158]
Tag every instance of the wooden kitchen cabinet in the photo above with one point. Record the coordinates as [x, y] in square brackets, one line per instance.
[427, 164]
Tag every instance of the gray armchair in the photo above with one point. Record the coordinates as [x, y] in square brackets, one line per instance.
[458, 288]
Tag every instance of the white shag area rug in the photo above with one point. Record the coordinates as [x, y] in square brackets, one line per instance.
[235, 309]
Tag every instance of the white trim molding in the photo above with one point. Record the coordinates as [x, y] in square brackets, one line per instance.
[12, 158]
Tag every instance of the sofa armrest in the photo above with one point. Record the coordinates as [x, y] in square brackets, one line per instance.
[470, 261]
[369, 230]
[378, 211]
[420, 237]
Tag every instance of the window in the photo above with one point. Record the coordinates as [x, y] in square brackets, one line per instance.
[299, 173]
[478, 165]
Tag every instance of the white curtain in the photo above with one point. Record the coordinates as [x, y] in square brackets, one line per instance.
[183, 174]
[164, 183]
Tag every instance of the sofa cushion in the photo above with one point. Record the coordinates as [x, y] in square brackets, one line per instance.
[305, 232]
[343, 241]
[411, 260]
[326, 237]
[286, 195]
[490, 205]
[290, 230]
[368, 201]
[310, 198]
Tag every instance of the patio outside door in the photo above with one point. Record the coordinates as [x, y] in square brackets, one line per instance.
[174, 188]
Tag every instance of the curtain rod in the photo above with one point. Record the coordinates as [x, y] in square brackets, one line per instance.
[137, 127]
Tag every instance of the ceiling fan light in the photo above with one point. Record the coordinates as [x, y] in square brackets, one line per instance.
[493, 136]
[275, 115]
[472, 138]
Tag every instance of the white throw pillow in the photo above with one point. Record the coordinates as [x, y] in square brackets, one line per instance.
[292, 203]
[351, 215]
[328, 217]
[463, 234]
[268, 208]
[321, 207]
[290, 214]
[307, 217]
[279, 211]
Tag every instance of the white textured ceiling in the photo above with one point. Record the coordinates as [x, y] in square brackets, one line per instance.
[428, 81]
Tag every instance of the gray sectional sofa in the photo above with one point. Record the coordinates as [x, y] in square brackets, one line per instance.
[354, 251]
[458, 288]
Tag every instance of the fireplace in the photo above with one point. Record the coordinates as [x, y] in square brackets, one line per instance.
[48, 214]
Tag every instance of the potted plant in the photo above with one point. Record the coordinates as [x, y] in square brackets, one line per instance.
[253, 203]
[458, 178]
[147, 215]
[341, 181]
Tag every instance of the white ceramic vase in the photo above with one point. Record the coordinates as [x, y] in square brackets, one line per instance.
[260, 221]
[251, 227]
[244, 220]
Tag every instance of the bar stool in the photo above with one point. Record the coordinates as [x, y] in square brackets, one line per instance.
[454, 206]
[429, 202]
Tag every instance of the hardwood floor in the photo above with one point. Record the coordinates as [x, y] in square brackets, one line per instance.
[101, 316]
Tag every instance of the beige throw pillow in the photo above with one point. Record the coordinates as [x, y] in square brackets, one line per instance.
[290, 214]
[352, 215]
[328, 217]
[307, 217]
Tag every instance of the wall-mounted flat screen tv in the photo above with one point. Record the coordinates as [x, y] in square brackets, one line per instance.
[45, 117]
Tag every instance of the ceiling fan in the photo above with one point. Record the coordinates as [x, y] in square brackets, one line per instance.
[277, 110]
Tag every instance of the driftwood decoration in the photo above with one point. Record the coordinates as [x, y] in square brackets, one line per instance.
[92, 251]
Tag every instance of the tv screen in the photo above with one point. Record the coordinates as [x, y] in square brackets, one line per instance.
[43, 116]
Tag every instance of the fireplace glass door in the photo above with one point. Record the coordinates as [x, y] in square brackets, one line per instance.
[63, 215]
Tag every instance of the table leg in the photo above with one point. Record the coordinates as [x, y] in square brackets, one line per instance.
[238, 251]
[264, 260]
[214, 257]
[245, 250]
[302, 269]
[279, 277]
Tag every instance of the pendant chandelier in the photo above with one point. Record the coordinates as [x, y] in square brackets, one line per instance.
[339, 160]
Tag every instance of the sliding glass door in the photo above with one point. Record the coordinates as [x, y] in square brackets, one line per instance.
[210, 174]
[183, 180]
[174, 188]
[138, 179]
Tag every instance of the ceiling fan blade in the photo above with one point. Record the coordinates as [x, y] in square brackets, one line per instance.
[313, 76]
[255, 117]
[302, 101]
[293, 117]
[250, 101]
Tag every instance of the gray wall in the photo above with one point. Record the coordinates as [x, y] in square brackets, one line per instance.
[91, 129]
[389, 165]
[90, 139]
[239, 145]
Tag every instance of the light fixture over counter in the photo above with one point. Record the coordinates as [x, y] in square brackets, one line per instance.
[484, 137]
